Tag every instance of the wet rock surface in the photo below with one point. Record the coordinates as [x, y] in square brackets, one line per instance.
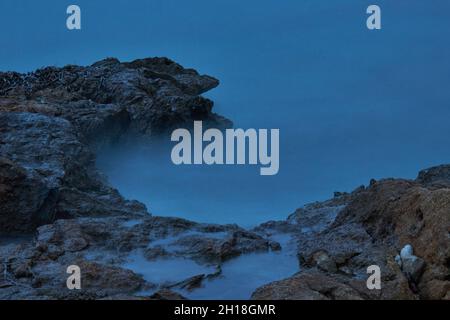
[47, 173]
[370, 226]
[52, 120]
[57, 210]
[101, 247]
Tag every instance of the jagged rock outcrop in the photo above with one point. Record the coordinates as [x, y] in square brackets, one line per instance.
[438, 176]
[104, 100]
[338, 239]
[46, 173]
[56, 209]
[52, 120]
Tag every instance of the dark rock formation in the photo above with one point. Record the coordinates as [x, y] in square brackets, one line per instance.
[46, 173]
[338, 239]
[166, 294]
[51, 123]
[310, 285]
[101, 246]
[439, 175]
[104, 100]
[52, 119]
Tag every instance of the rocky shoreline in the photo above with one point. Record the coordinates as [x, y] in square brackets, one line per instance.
[339, 238]
[57, 209]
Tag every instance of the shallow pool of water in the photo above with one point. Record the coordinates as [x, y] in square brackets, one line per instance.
[240, 276]
[165, 271]
[243, 275]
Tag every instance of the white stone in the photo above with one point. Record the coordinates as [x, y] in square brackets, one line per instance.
[406, 252]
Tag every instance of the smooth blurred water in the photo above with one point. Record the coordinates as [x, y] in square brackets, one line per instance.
[238, 279]
[165, 271]
[241, 276]
[351, 104]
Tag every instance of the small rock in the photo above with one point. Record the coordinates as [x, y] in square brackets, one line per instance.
[325, 262]
[406, 252]
[22, 271]
[166, 294]
[275, 246]
[75, 244]
[190, 283]
[413, 266]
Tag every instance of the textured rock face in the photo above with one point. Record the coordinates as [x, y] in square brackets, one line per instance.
[101, 246]
[51, 122]
[371, 227]
[439, 175]
[311, 285]
[46, 173]
[150, 96]
[51, 119]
